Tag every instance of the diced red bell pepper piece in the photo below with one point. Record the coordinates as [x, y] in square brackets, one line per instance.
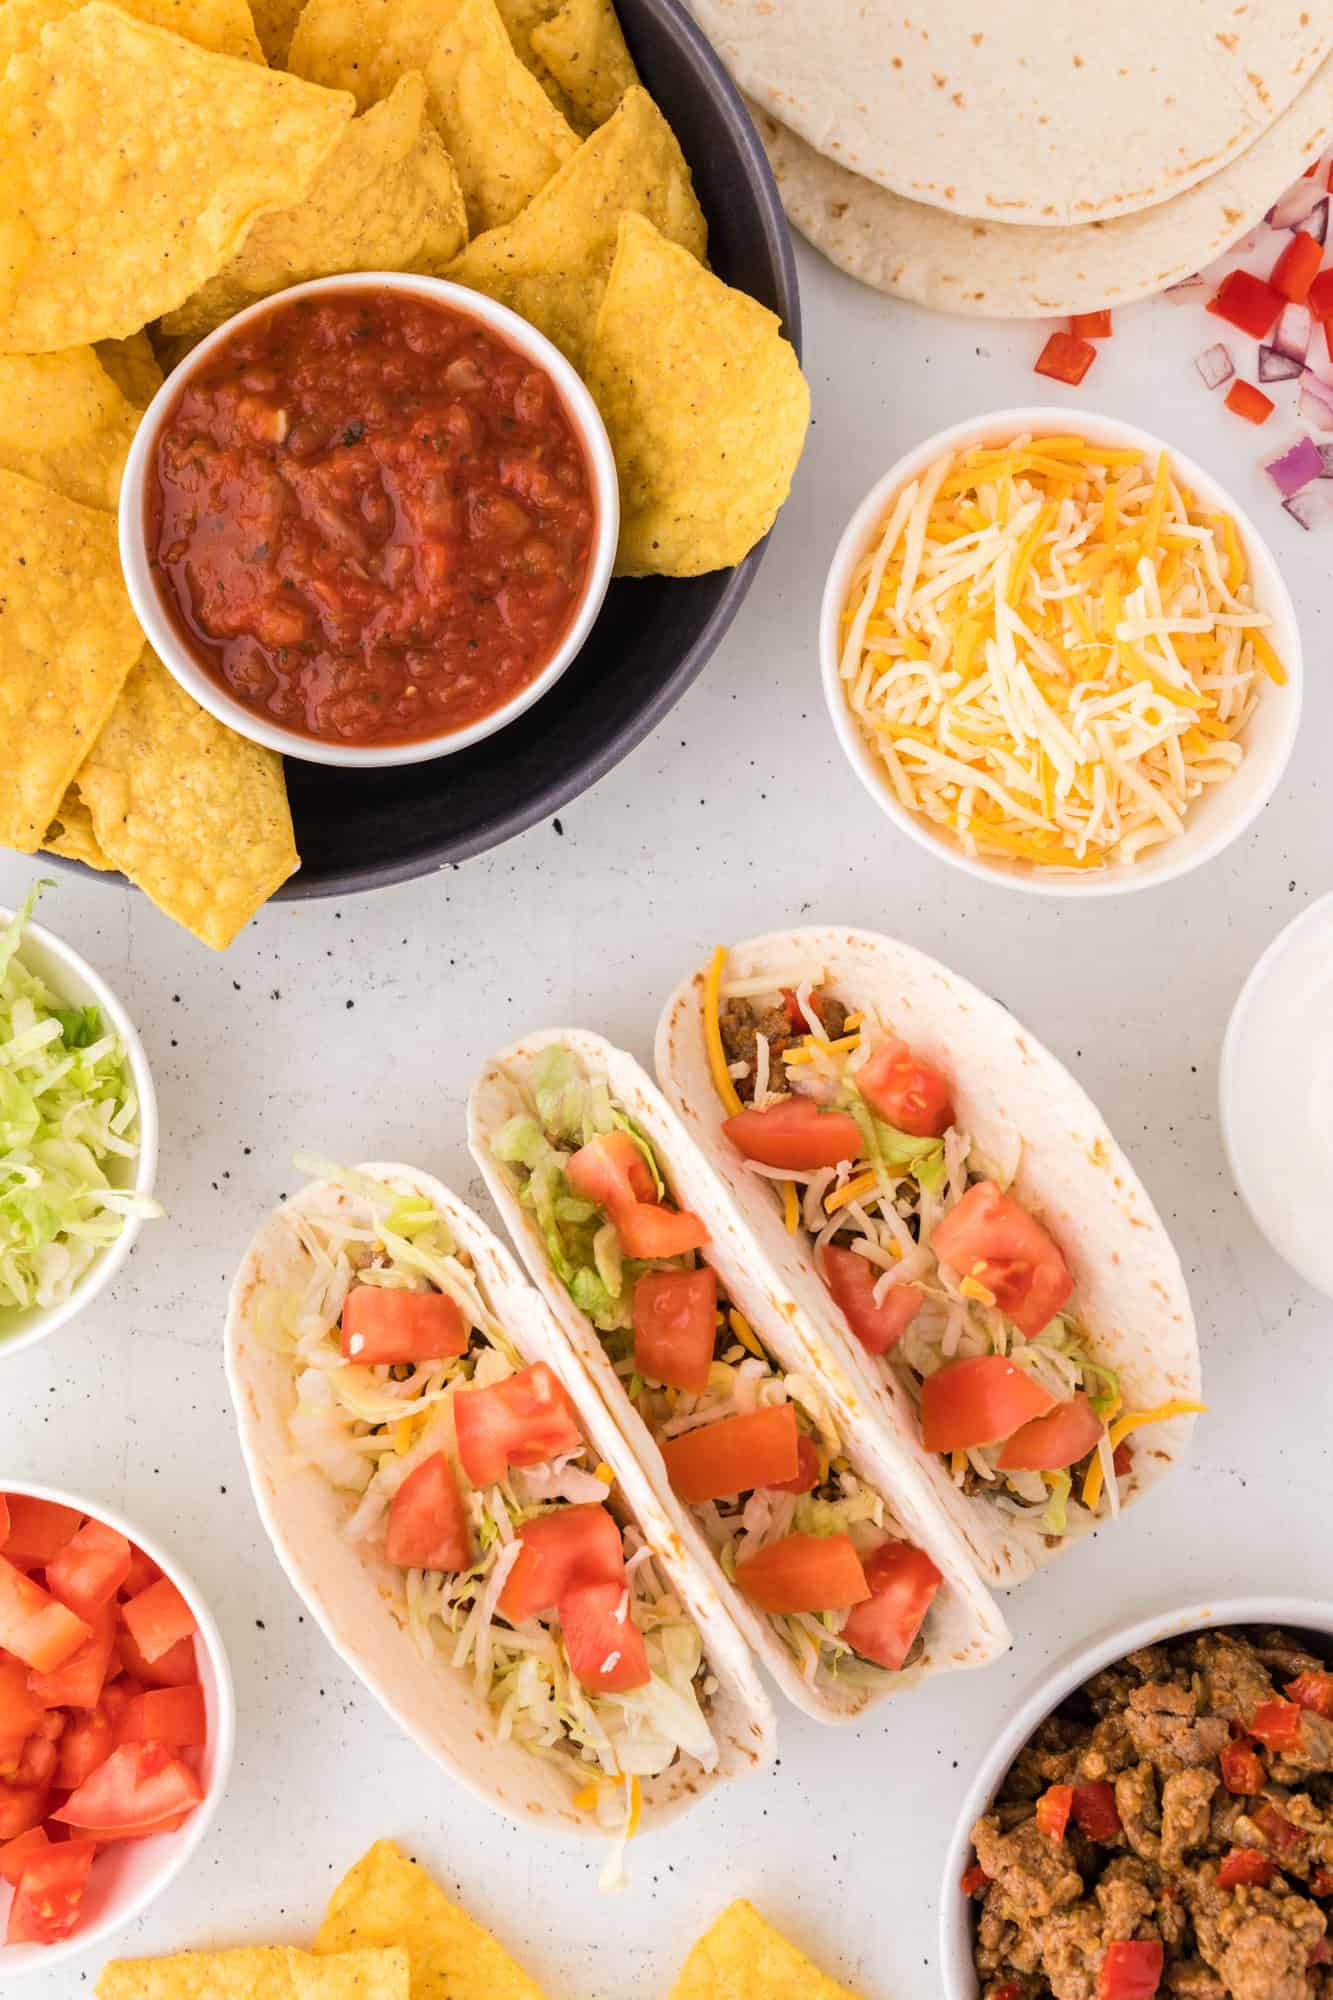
[1281, 1834]
[1277, 1725]
[1091, 325]
[1095, 1810]
[1065, 358]
[1053, 1810]
[1312, 1691]
[1243, 1768]
[1245, 1866]
[1130, 1971]
[1321, 1882]
[1247, 302]
[1295, 269]
[1244, 400]
[974, 1879]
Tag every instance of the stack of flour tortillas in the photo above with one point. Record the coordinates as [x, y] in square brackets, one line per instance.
[1030, 157]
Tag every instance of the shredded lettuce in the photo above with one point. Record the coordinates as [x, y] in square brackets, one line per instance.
[69, 1135]
[1055, 1519]
[893, 1153]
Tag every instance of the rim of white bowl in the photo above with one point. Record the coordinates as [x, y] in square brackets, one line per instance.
[958, 1976]
[40, 1321]
[1121, 878]
[1320, 911]
[209, 693]
[17, 1960]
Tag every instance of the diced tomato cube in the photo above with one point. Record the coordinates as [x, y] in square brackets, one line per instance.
[87, 1742]
[1091, 325]
[991, 1237]
[1065, 358]
[14, 1853]
[49, 1898]
[807, 1470]
[978, 1401]
[522, 1420]
[38, 1529]
[79, 1681]
[427, 1527]
[42, 1632]
[138, 1786]
[1244, 400]
[911, 1095]
[158, 1619]
[611, 1172]
[675, 1327]
[142, 1571]
[386, 1325]
[559, 1551]
[20, 1711]
[878, 1324]
[1245, 1865]
[177, 1717]
[1053, 1810]
[175, 1668]
[794, 1133]
[1295, 269]
[90, 1569]
[605, 1647]
[903, 1585]
[804, 1573]
[1247, 302]
[21, 1807]
[734, 1455]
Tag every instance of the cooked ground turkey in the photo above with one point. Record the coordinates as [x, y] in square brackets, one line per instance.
[741, 1021]
[1159, 1818]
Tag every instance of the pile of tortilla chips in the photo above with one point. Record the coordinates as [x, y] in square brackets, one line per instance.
[391, 1933]
[165, 163]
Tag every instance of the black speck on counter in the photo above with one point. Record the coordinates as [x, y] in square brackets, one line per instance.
[260, 1625]
[559, 829]
[350, 1005]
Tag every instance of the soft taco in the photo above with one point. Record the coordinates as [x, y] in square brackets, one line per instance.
[843, 1574]
[458, 1512]
[936, 1195]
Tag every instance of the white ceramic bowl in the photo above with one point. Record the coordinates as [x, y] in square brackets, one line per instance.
[958, 1979]
[1275, 1086]
[74, 981]
[1225, 810]
[129, 1876]
[209, 693]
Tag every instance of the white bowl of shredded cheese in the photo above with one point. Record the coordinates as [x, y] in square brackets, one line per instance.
[1058, 655]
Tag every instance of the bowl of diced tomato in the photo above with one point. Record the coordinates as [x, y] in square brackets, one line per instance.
[116, 1724]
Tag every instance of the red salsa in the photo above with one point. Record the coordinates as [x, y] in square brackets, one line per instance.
[370, 517]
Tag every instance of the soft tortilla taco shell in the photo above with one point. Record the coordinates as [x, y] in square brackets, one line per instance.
[1028, 1116]
[356, 1595]
[964, 1628]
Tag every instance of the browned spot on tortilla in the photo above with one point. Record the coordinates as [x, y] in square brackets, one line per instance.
[1227, 41]
[938, 80]
[977, 40]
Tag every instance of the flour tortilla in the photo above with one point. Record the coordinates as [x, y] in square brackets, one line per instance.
[964, 1628]
[1002, 270]
[1026, 1113]
[1027, 112]
[356, 1596]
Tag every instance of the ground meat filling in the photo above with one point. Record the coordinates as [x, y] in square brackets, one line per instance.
[743, 1021]
[1128, 1817]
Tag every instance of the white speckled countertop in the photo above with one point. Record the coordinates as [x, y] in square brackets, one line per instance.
[354, 1029]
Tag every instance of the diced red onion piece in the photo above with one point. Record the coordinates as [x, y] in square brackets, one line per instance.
[1315, 403]
[1326, 460]
[1295, 469]
[1185, 289]
[1291, 335]
[1316, 222]
[1290, 210]
[1215, 366]
[1313, 507]
[1275, 367]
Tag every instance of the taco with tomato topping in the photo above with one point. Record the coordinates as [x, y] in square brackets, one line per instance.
[450, 1499]
[846, 1579]
[940, 1202]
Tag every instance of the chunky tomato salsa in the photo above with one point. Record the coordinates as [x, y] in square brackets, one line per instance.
[370, 517]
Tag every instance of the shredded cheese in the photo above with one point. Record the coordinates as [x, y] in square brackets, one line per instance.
[744, 1332]
[1053, 650]
[791, 1208]
[1132, 1420]
[717, 1061]
[853, 1190]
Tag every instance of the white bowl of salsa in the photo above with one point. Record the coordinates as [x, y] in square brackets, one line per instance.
[370, 520]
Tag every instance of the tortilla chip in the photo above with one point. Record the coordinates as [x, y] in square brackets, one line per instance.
[275, 23]
[132, 366]
[552, 262]
[583, 49]
[261, 1972]
[743, 1958]
[196, 815]
[68, 639]
[388, 1899]
[520, 17]
[501, 130]
[71, 833]
[705, 405]
[225, 26]
[386, 199]
[64, 423]
[134, 164]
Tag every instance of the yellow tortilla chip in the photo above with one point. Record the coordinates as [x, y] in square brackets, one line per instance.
[133, 165]
[132, 366]
[705, 405]
[225, 26]
[582, 47]
[520, 17]
[71, 833]
[552, 262]
[743, 1958]
[64, 423]
[388, 1899]
[68, 639]
[386, 199]
[196, 815]
[260, 1972]
[501, 130]
[275, 23]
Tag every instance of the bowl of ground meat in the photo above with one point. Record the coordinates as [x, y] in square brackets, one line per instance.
[1157, 1820]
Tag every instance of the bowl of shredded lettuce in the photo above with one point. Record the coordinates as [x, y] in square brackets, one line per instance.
[78, 1132]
